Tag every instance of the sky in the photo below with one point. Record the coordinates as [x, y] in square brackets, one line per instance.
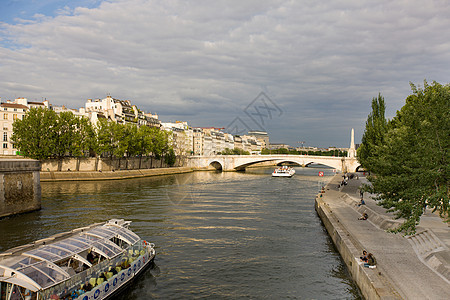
[304, 71]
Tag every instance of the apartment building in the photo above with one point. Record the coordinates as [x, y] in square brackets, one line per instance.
[119, 111]
[11, 111]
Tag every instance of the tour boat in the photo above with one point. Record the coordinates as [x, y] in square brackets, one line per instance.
[283, 172]
[88, 263]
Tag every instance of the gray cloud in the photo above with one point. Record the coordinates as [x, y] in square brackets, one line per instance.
[321, 62]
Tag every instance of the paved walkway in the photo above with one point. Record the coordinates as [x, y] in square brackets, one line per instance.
[417, 267]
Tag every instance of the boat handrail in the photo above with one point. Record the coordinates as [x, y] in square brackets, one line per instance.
[95, 271]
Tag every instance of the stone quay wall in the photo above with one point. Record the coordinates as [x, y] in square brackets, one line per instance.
[341, 240]
[111, 175]
[93, 164]
[371, 282]
[20, 189]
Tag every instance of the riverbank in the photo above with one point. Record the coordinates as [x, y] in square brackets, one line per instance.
[415, 267]
[110, 175]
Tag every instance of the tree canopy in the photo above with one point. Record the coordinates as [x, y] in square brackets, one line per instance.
[409, 155]
[43, 134]
[235, 151]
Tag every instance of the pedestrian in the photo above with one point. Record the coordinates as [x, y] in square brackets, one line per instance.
[364, 256]
[371, 261]
[364, 216]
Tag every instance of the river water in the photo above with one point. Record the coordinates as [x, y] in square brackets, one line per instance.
[218, 235]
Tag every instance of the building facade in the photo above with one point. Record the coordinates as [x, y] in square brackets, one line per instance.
[11, 111]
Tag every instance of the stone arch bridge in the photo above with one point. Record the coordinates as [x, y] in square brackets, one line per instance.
[240, 162]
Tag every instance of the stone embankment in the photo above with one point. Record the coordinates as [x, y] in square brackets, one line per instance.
[47, 176]
[20, 190]
[414, 267]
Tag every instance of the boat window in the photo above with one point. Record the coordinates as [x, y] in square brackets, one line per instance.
[108, 248]
[128, 236]
[44, 274]
[86, 238]
[91, 238]
[102, 232]
[18, 262]
[43, 254]
[4, 290]
[111, 229]
[78, 242]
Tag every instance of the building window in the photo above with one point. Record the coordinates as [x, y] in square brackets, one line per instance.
[4, 108]
[5, 116]
[5, 145]
[14, 116]
[15, 109]
[5, 136]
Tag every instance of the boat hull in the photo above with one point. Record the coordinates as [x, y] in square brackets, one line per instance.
[282, 175]
[116, 284]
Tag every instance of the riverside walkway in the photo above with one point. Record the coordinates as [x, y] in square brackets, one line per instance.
[415, 267]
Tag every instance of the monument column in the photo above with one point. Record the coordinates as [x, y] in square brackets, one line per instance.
[351, 151]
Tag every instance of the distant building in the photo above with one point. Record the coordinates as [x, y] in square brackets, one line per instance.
[278, 146]
[197, 141]
[119, 111]
[182, 137]
[11, 111]
[261, 136]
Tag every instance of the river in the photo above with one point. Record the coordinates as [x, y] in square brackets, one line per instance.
[218, 235]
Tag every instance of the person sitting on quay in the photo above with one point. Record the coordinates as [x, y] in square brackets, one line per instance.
[371, 261]
[362, 202]
[364, 256]
[365, 216]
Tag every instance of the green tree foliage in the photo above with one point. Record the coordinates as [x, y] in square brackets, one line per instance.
[32, 136]
[235, 151]
[85, 139]
[66, 135]
[373, 137]
[44, 134]
[105, 137]
[170, 157]
[411, 160]
[159, 143]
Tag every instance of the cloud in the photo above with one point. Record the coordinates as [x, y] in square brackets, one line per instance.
[205, 63]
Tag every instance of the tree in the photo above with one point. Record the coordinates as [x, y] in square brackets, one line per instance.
[160, 142]
[34, 135]
[66, 139]
[105, 138]
[411, 159]
[170, 157]
[373, 137]
[85, 138]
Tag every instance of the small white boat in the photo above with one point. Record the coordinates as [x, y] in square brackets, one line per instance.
[93, 262]
[283, 171]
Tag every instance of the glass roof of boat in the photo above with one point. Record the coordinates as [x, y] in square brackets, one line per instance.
[39, 263]
[128, 235]
[44, 273]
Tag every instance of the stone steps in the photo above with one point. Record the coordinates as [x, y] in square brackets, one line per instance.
[426, 242]
[429, 248]
[432, 252]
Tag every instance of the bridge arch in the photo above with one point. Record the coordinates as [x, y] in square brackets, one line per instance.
[240, 162]
[215, 164]
[303, 163]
